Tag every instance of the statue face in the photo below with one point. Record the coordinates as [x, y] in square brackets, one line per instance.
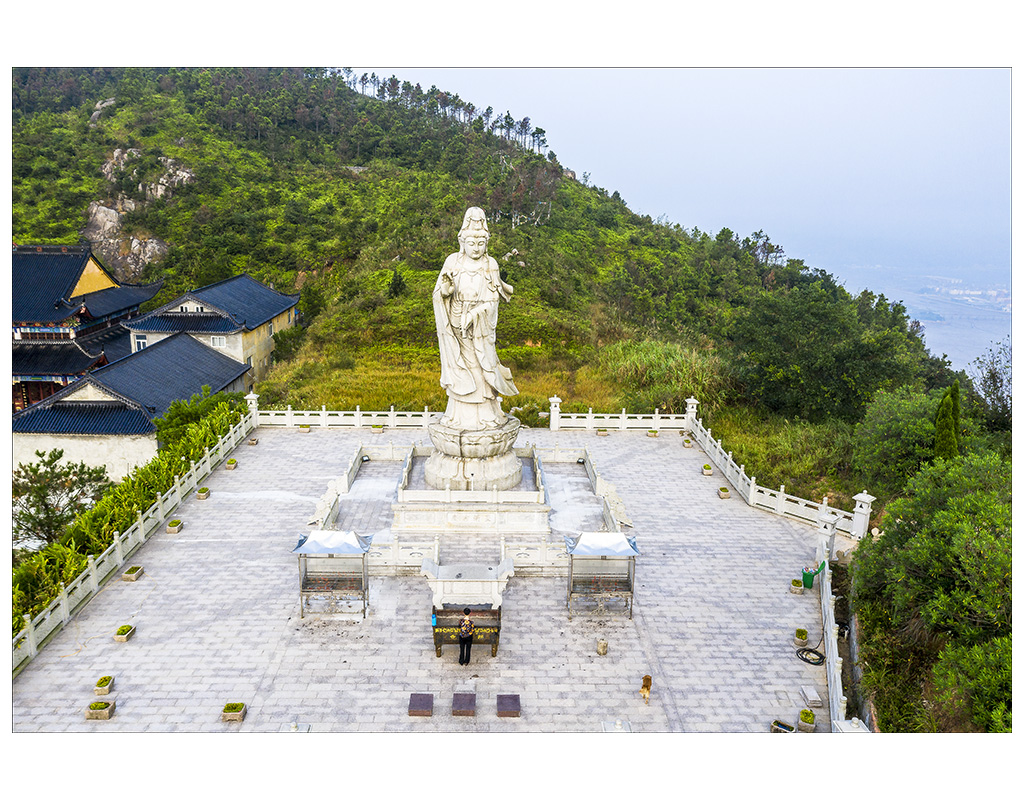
[476, 246]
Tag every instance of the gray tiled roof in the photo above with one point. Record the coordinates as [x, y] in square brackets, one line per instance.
[146, 382]
[96, 417]
[69, 357]
[42, 279]
[174, 368]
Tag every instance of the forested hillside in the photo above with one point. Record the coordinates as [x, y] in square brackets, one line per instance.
[351, 190]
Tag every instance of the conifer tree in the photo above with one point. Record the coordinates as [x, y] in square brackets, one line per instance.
[954, 397]
[945, 435]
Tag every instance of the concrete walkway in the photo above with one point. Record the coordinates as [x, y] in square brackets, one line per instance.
[218, 618]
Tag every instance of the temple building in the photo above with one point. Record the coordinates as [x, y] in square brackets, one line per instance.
[66, 314]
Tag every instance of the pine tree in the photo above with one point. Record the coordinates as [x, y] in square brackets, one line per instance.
[945, 434]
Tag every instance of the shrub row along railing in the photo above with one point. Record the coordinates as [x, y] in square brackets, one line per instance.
[100, 568]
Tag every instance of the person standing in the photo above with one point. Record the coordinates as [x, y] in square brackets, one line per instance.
[466, 629]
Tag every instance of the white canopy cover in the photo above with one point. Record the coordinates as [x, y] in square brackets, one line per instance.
[602, 543]
[335, 542]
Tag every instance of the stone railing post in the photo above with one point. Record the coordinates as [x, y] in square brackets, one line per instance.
[861, 514]
[94, 580]
[30, 636]
[253, 400]
[691, 413]
[556, 407]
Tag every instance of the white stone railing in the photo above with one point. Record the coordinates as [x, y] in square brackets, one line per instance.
[536, 557]
[559, 420]
[290, 418]
[402, 556]
[830, 634]
[777, 501]
[54, 617]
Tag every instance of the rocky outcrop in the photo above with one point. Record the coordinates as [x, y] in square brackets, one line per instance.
[127, 256]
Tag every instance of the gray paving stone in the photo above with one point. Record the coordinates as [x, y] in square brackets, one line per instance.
[217, 612]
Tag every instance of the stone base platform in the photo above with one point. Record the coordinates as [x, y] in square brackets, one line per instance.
[478, 460]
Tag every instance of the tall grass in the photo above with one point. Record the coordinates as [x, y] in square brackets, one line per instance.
[812, 460]
[663, 375]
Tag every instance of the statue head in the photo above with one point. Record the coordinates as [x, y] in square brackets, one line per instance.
[474, 225]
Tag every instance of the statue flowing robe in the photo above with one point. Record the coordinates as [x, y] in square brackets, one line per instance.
[466, 314]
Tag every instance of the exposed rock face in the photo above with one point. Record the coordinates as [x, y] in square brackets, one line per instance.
[98, 110]
[127, 256]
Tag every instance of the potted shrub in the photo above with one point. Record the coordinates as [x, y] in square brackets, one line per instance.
[602, 431]
[706, 469]
[231, 463]
[203, 493]
[233, 712]
[687, 443]
[778, 726]
[796, 586]
[132, 573]
[124, 633]
[104, 685]
[253, 442]
[304, 429]
[800, 639]
[723, 492]
[102, 709]
[377, 429]
[173, 526]
[806, 721]
[652, 433]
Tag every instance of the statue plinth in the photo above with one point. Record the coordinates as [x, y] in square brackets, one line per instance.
[475, 460]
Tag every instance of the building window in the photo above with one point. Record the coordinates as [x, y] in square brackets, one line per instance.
[271, 328]
[184, 308]
[219, 341]
[140, 343]
[248, 362]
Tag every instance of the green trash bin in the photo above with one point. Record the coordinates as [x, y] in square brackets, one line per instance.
[808, 575]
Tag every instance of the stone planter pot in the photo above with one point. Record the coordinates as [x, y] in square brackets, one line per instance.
[705, 470]
[124, 637]
[203, 494]
[796, 588]
[602, 432]
[799, 642]
[652, 434]
[778, 726]
[172, 528]
[230, 464]
[132, 573]
[101, 713]
[105, 689]
[253, 442]
[805, 727]
[687, 443]
[303, 429]
[724, 494]
[235, 715]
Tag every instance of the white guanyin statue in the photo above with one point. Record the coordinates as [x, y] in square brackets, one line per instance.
[466, 298]
[473, 441]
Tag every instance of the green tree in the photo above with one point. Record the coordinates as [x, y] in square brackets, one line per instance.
[993, 378]
[945, 432]
[895, 438]
[939, 577]
[48, 495]
[805, 352]
[181, 414]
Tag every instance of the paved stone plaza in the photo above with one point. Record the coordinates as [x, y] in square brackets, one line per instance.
[217, 613]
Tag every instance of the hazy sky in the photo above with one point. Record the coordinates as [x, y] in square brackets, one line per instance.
[904, 169]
